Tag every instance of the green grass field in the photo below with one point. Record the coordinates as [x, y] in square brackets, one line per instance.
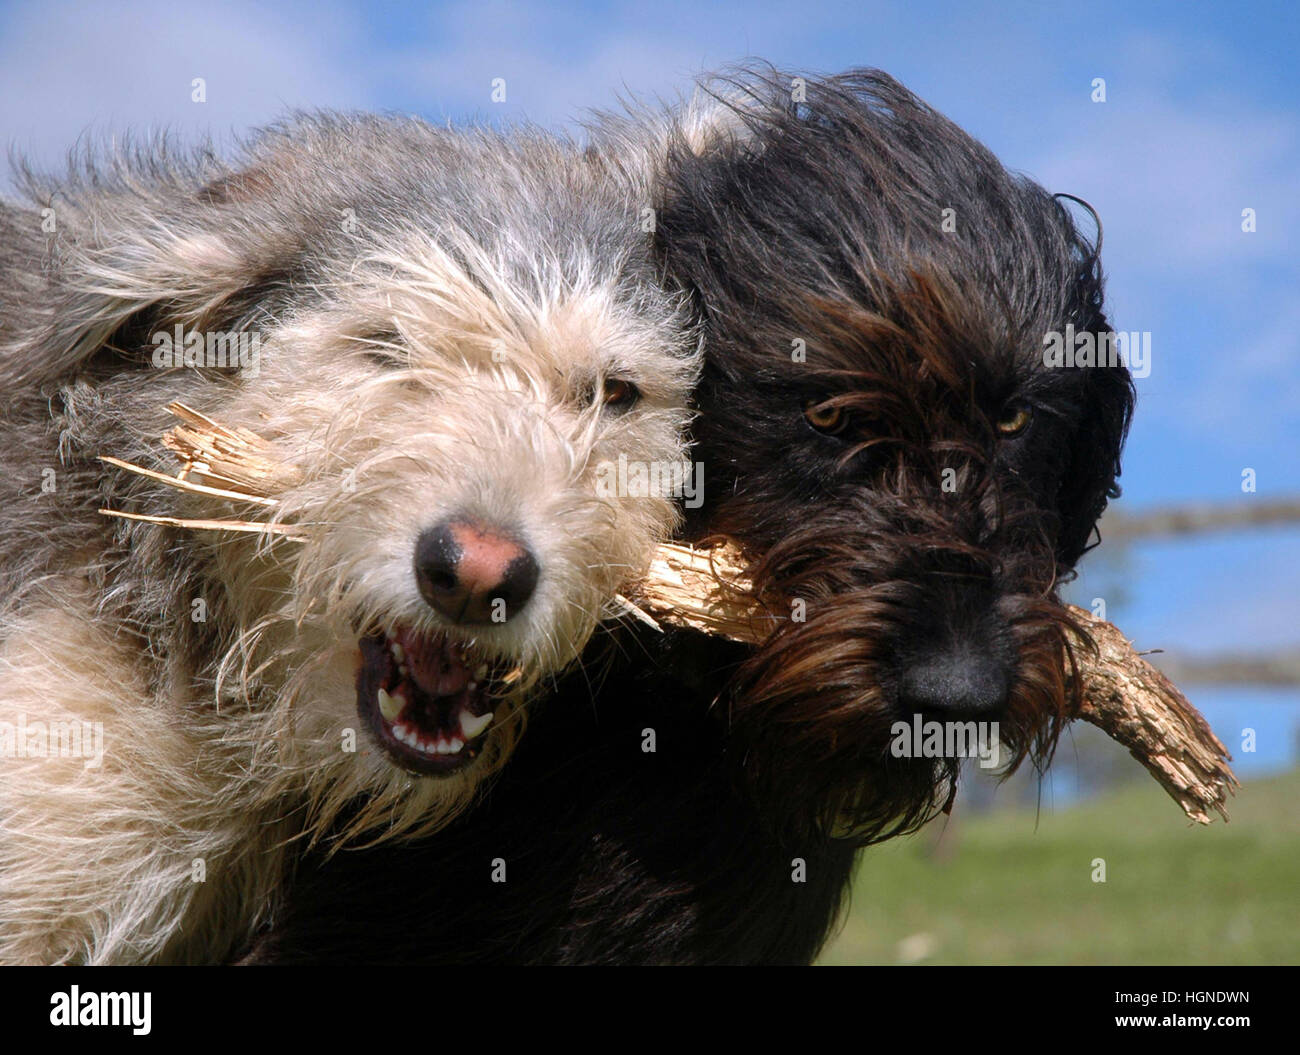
[1013, 887]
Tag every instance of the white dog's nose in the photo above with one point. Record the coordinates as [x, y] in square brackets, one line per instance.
[473, 573]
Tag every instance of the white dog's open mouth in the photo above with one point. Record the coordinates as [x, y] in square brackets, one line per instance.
[425, 698]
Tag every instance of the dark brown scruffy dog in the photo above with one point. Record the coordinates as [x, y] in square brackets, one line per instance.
[923, 481]
[882, 437]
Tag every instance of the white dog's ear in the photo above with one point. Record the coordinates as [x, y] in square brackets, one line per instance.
[96, 261]
[713, 120]
[646, 132]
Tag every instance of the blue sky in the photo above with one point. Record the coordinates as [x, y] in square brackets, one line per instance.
[1201, 120]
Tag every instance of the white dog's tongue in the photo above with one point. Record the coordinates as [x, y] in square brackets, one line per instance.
[436, 665]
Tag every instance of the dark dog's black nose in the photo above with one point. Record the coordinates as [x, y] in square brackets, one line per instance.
[474, 574]
[954, 682]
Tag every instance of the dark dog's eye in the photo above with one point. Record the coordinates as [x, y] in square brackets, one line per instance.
[830, 420]
[1015, 419]
[619, 394]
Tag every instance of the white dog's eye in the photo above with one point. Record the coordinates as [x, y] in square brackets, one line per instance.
[619, 394]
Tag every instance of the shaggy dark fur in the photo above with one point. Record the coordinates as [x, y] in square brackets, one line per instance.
[923, 366]
[612, 854]
[918, 482]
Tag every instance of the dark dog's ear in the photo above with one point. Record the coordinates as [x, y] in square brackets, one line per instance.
[1106, 400]
[1090, 480]
[139, 243]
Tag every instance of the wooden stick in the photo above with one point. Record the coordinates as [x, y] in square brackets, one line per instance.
[187, 485]
[1123, 695]
[1137, 706]
[206, 448]
[239, 458]
[289, 531]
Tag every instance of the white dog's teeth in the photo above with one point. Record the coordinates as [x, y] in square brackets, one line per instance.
[398, 652]
[454, 747]
[390, 707]
[473, 724]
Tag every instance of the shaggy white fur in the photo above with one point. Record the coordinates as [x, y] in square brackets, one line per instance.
[439, 315]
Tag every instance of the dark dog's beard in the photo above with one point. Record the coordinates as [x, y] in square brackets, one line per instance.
[816, 713]
[816, 708]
